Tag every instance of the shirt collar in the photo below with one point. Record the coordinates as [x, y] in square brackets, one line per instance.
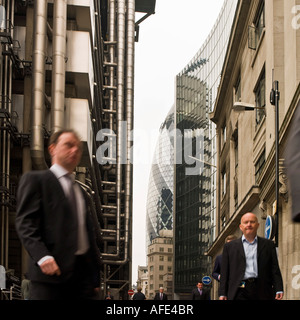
[245, 240]
[58, 170]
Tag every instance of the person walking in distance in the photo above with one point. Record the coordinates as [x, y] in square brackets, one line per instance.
[54, 224]
[250, 269]
[161, 295]
[200, 293]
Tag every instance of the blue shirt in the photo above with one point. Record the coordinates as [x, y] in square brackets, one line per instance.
[250, 249]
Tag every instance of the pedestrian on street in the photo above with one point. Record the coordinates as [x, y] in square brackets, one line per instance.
[55, 225]
[200, 293]
[139, 295]
[250, 269]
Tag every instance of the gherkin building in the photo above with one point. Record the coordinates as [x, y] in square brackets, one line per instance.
[160, 188]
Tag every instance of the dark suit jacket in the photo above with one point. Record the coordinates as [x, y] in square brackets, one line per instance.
[292, 163]
[204, 296]
[217, 267]
[139, 296]
[46, 225]
[157, 296]
[234, 264]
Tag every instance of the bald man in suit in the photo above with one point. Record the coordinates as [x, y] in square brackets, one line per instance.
[250, 269]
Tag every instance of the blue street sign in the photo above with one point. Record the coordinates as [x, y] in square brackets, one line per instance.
[268, 227]
[206, 280]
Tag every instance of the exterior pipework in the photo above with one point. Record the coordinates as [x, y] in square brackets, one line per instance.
[38, 85]
[6, 89]
[58, 65]
[120, 110]
[129, 113]
[129, 76]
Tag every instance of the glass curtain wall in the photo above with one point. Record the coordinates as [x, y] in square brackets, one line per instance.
[160, 188]
[195, 150]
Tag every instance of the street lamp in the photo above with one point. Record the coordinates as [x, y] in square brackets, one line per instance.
[274, 100]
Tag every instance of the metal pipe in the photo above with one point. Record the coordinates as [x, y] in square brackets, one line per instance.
[58, 65]
[38, 85]
[130, 18]
[129, 114]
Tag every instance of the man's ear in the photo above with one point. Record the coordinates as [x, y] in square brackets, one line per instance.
[51, 149]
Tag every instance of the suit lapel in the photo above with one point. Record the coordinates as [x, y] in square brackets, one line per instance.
[54, 184]
[240, 248]
[260, 246]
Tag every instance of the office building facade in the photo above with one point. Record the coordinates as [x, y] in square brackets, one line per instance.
[264, 48]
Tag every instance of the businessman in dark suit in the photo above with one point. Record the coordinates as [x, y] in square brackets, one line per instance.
[54, 224]
[216, 274]
[200, 293]
[250, 269]
[161, 295]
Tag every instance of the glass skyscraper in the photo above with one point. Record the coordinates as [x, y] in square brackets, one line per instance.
[160, 188]
[195, 152]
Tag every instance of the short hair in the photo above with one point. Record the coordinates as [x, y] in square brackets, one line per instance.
[230, 238]
[55, 136]
[139, 289]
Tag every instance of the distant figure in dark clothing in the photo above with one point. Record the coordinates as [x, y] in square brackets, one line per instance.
[139, 295]
[161, 295]
[217, 267]
[200, 293]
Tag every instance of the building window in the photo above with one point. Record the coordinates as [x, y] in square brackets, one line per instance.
[260, 98]
[238, 90]
[255, 31]
[260, 165]
[260, 21]
[161, 258]
[161, 268]
[223, 219]
[223, 182]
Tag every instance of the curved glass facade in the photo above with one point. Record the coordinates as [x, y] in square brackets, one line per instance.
[160, 188]
[195, 181]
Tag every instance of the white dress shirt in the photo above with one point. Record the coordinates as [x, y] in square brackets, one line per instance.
[65, 182]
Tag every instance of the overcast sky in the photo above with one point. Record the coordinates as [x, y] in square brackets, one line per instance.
[168, 40]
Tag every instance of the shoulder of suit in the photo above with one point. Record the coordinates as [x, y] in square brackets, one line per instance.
[233, 243]
[36, 173]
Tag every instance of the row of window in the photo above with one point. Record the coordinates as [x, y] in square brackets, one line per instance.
[162, 258]
[255, 36]
[160, 268]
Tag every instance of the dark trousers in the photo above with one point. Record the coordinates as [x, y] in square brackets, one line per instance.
[79, 287]
[249, 292]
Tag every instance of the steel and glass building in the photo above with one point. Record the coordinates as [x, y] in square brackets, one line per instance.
[160, 199]
[195, 156]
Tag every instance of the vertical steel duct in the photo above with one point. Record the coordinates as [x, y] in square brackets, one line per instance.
[38, 85]
[58, 65]
[120, 109]
[125, 85]
[129, 118]
[6, 91]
